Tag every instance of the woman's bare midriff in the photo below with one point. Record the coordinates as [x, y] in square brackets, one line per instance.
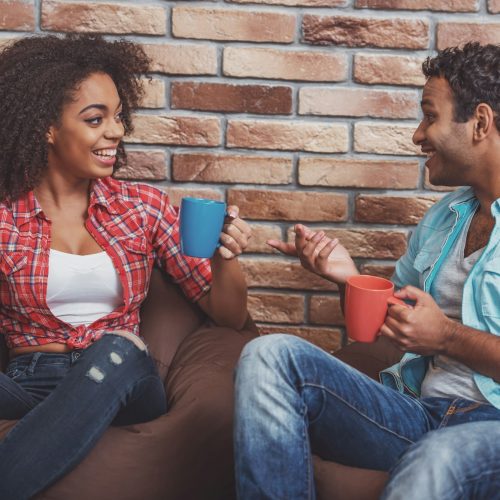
[53, 347]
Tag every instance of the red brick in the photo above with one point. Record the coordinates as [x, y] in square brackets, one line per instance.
[296, 3]
[388, 69]
[203, 167]
[177, 59]
[147, 164]
[154, 96]
[176, 130]
[177, 193]
[366, 32]
[451, 34]
[392, 209]
[437, 5]
[280, 307]
[328, 339]
[385, 138]
[17, 15]
[286, 135]
[232, 24]
[334, 172]
[377, 270]
[103, 18]
[368, 244]
[494, 6]
[358, 102]
[284, 64]
[325, 310]
[289, 205]
[260, 234]
[281, 273]
[260, 99]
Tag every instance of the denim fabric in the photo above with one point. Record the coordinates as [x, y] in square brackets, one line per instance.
[455, 463]
[65, 402]
[294, 399]
[428, 248]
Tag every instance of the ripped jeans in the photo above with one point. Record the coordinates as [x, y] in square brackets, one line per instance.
[65, 402]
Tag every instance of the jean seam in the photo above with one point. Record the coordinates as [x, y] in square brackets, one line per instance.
[17, 397]
[359, 412]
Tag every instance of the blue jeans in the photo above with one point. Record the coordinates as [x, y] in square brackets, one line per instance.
[65, 402]
[293, 399]
[450, 464]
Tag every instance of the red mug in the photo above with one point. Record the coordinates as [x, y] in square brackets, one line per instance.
[367, 299]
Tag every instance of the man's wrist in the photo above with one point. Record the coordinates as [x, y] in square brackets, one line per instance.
[450, 331]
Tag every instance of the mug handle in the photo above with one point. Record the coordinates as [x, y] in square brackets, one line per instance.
[397, 302]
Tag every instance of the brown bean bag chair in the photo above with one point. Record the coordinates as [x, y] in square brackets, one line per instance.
[187, 453]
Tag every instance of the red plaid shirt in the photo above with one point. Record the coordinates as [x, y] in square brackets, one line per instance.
[133, 223]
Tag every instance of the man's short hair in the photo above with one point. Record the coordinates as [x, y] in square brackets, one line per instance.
[473, 73]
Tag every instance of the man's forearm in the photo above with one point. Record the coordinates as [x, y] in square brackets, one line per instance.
[476, 349]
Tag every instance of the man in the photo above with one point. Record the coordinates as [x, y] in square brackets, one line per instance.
[293, 399]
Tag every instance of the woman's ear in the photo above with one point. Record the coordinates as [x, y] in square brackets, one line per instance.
[50, 135]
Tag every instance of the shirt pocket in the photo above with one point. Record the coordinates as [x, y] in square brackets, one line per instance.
[490, 289]
[137, 259]
[12, 262]
[423, 263]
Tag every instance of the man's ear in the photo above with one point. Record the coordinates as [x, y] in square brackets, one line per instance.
[484, 121]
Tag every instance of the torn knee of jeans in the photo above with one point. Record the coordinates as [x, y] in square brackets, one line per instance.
[95, 374]
[115, 358]
[135, 339]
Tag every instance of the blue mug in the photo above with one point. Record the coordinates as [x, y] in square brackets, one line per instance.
[201, 223]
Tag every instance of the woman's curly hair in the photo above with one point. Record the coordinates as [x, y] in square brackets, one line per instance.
[38, 75]
[473, 73]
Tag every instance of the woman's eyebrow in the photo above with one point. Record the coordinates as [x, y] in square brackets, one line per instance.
[102, 107]
[98, 106]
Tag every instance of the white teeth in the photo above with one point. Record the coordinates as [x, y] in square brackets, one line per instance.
[105, 152]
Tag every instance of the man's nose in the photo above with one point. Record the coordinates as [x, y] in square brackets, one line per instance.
[418, 135]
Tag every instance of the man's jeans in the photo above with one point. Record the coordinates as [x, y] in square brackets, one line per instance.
[294, 399]
[461, 462]
[65, 402]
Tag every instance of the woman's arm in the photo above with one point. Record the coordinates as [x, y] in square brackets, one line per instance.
[226, 302]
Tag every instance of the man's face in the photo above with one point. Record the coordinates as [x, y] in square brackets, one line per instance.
[446, 142]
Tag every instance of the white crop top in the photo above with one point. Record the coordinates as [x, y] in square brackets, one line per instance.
[82, 288]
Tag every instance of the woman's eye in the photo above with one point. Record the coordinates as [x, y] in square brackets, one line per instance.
[94, 121]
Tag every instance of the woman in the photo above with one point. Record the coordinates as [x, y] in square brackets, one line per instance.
[76, 252]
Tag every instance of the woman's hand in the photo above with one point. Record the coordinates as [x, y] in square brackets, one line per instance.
[319, 254]
[235, 234]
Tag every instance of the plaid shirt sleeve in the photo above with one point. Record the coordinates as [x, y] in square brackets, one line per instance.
[193, 275]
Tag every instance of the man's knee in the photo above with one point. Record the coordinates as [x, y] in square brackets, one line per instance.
[269, 348]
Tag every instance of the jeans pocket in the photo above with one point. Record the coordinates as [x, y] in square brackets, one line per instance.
[16, 371]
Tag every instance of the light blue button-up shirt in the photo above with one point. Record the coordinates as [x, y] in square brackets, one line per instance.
[428, 248]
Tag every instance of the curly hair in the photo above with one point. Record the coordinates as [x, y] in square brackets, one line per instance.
[38, 76]
[473, 73]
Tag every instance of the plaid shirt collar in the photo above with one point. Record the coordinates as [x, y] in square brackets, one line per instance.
[27, 207]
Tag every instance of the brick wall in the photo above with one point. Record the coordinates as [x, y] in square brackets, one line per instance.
[296, 110]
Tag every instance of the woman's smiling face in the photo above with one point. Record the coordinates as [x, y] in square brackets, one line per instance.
[83, 145]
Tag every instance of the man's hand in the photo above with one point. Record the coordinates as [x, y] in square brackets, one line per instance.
[422, 329]
[319, 254]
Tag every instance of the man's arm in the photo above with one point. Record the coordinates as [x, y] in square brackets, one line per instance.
[425, 329]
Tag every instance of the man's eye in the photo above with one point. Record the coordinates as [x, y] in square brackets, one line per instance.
[94, 121]
[429, 117]
[119, 116]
